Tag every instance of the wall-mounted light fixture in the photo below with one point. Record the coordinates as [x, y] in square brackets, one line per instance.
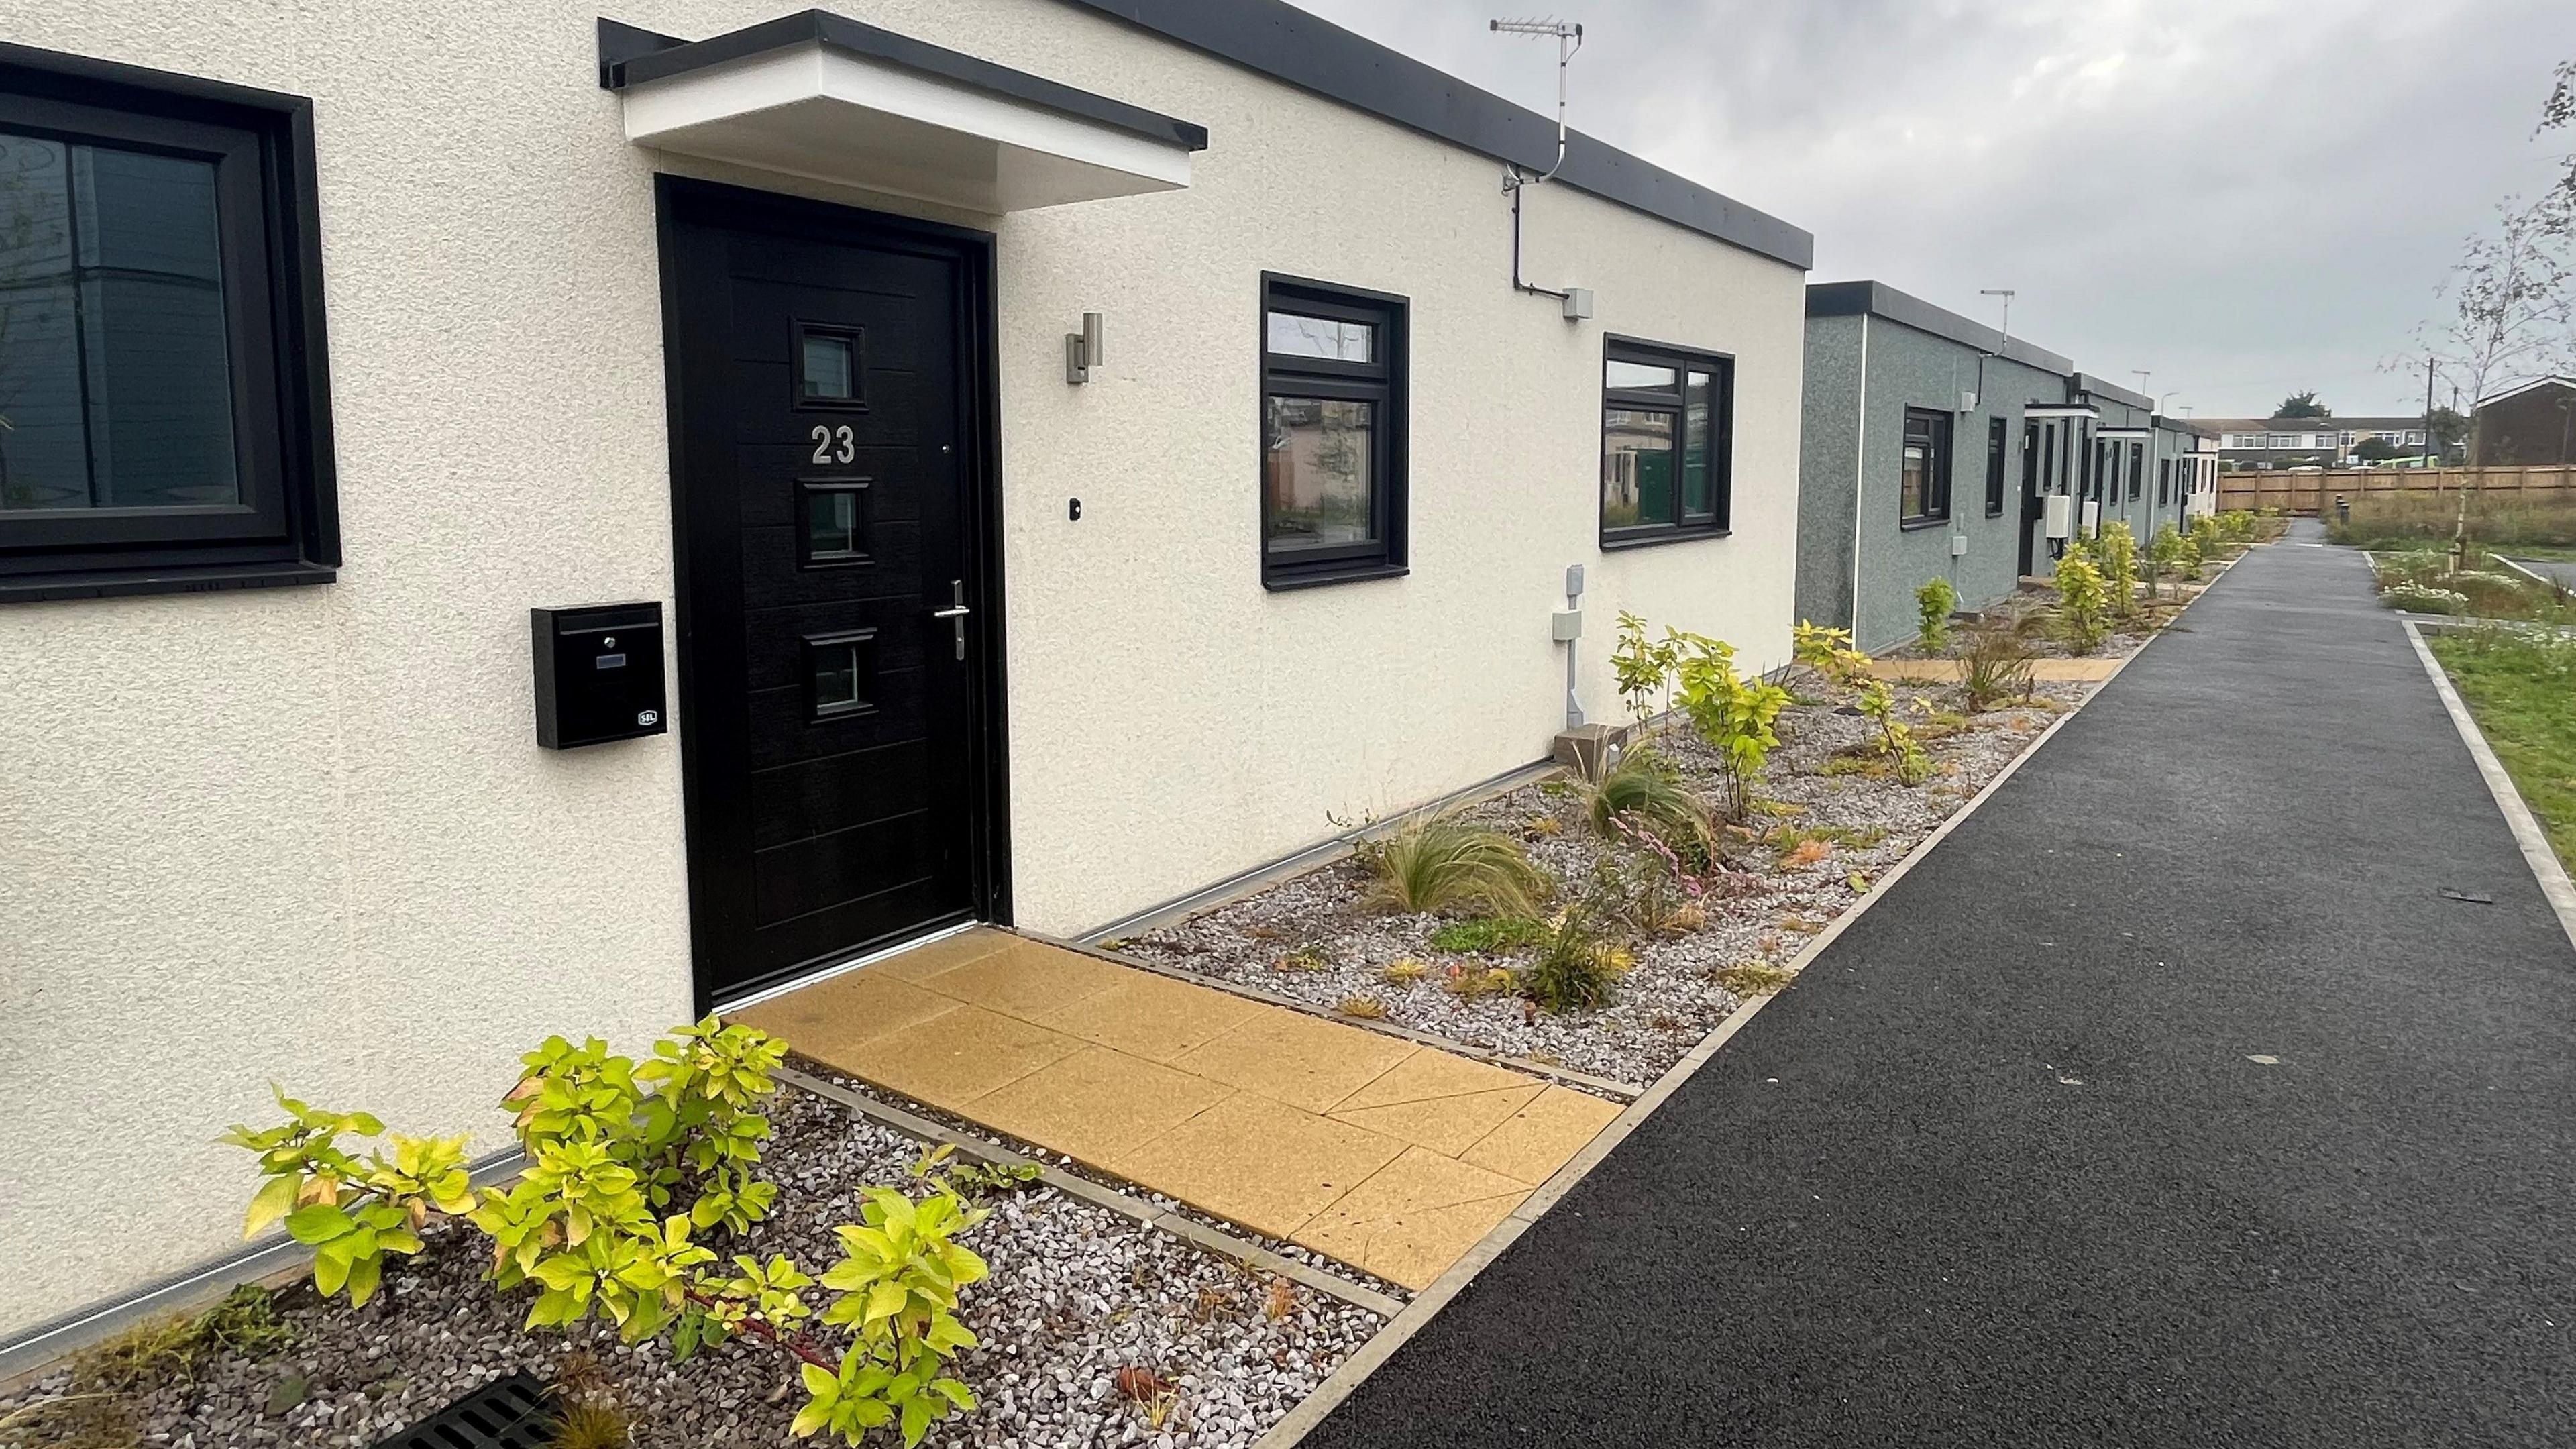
[1082, 350]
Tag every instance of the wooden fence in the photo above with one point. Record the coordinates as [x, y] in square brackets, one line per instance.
[2312, 493]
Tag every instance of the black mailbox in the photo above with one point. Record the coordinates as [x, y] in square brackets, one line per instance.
[599, 674]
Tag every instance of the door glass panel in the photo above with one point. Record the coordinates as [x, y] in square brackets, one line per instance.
[115, 369]
[1637, 466]
[828, 370]
[842, 666]
[835, 525]
[1698, 459]
[1318, 465]
[1294, 334]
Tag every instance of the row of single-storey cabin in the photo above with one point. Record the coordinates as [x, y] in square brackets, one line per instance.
[514, 522]
[1932, 446]
[1006, 460]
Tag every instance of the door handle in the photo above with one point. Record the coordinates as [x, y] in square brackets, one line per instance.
[956, 613]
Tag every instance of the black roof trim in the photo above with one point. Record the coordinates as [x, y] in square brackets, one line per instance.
[1851, 299]
[2087, 382]
[1289, 45]
[629, 55]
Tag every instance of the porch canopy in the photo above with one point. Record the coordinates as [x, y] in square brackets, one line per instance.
[827, 98]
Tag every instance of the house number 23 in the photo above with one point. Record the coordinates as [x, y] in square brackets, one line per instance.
[834, 445]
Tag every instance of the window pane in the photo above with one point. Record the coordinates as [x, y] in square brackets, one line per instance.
[1655, 375]
[115, 375]
[842, 674]
[832, 524]
[152, 321]
[1637, 459]
[1319, 466]
[1698, 459]
[44, 442]
[1917, 475]
[1293, 334]
[828, 370]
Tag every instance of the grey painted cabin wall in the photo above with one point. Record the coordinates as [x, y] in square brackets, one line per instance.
[1906, 369]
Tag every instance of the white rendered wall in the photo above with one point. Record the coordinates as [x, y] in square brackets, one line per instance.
[306, 834]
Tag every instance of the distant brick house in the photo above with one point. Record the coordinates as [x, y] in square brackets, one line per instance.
[2528, 425]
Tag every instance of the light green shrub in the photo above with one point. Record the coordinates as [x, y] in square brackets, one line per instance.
[1933, 604]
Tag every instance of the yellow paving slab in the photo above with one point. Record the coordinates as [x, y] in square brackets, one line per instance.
[950, 1059]
[1413, 1218]
[838, 1014]
[1260, 1162]
[1391, 1156]
[1540, 1138]
[1096, 1104]
[922, 962]
[1294, 1058]
[1025, 979]
[1446, 1125]
[1151, 1016]
[1426, 1076]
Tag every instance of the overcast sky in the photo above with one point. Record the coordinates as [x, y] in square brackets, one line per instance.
[2247, 197]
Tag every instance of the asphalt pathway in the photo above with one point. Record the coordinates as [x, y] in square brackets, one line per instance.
[2563, 570]
[2167, 1103]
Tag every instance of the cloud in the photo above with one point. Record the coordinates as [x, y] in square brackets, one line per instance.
[2246, 197]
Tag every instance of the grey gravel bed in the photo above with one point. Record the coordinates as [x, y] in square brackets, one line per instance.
[1670, 1000]
[1076, 1293]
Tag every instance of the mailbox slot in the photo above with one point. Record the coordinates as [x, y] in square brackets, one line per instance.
[599, 674]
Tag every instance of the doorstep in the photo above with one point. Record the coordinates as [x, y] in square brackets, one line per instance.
[1393, 1157]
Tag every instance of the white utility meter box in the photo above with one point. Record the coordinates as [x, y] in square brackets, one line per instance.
[2092, 517]
[2060, 515]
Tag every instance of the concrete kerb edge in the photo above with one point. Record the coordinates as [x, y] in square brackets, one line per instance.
[1226, 1244]
[2536, 852]
[1301, 1420]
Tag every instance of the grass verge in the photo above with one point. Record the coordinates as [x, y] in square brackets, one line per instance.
[2521, 689]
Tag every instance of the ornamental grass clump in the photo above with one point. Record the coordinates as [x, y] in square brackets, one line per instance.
[1437, 863]
[1573, 969]
[1644, 787]
[626, 1166]
[2083, 603]
[1933, 604]
[1996, 665]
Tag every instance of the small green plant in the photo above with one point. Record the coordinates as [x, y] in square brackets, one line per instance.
[2167, 548]
[1483, 935]
[1995, 666]
[972, 1179]
[1304, 958]
[1829, 652]
[1933, 604]
[1732, 713]
[1644, 668]
[1645, 787]
[1363, 1008]
[898, 1284]
[1404, 971]
[1573, 969]
[1896, 741]
[2116, 555]
[1437, 863]
[2084, 603]
[625, 1163]
[589, 1421]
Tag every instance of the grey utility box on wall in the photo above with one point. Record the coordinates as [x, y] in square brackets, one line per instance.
[599, 674]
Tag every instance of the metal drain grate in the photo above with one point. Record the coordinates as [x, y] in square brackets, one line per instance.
[509, 1413]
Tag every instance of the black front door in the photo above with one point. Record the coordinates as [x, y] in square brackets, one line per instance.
[2031, 446]
[838, 721]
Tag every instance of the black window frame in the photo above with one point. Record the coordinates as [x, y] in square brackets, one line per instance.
[1719, 520]
[286, 530]
[2164, 481]
[1998, 448]
[1382, 381]
[2137, 470]
[1937, 466]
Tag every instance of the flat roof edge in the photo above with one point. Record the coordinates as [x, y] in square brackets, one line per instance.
[1278, 40]
[1851, 299]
